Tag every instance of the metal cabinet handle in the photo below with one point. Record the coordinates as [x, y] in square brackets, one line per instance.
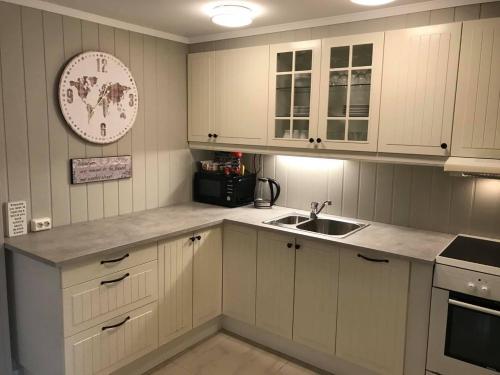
[372, 259]
[474, 307]
[117, 325]
[115, 280]
[115, 260]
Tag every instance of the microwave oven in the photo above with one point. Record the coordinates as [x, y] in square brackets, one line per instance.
[224, 190]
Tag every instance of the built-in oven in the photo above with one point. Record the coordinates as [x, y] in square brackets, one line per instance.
[464, 332]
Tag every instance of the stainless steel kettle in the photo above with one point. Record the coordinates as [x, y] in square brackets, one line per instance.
[267, 191]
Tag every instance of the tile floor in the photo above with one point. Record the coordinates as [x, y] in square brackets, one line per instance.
[223, 354]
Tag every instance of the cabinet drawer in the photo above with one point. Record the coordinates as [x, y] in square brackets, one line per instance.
[96, 301]
[107, 264]
[114, 343]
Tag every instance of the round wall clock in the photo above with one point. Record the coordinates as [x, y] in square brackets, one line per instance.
[98, 97]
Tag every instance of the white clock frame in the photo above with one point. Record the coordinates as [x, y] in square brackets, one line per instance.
[96, 77]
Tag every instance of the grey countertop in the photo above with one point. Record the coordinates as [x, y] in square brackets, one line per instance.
[71, 243]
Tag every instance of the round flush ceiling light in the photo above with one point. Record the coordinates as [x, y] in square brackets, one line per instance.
[232, 15]
[372, 2]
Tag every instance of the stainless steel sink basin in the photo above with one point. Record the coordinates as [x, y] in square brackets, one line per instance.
[320, 226]
[330, 227]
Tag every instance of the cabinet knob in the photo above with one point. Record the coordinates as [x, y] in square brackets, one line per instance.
[318, 140]
[215, 135]
[311, 140]
[444, 146]
[192, 239]
[210, 135]
[289, 245]
[198, 238]
[297, 247]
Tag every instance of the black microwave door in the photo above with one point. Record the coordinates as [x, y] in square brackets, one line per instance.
[208, 190]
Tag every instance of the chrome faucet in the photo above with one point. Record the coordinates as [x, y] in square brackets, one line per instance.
[316, 208]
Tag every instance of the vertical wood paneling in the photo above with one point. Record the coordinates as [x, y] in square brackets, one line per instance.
[440, 200]
[335, 187]
[162, 89]
[138, 152]
[110, 188]
[14, 103]
[58, 131]
[150, 122]
[36, 112]
[122, 51]
[367, 181]
[350, 189]
[72, 31]
[401, 195]
[420, 197]
[486, 209]
[384, 193]
[4, 194]
[95, 196]
[462, 200]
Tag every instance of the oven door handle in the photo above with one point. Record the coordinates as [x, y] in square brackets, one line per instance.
[473, 307]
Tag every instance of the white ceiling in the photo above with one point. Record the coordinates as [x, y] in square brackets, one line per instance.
[186, 17]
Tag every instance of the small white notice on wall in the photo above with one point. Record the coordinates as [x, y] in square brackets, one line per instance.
[16, 219]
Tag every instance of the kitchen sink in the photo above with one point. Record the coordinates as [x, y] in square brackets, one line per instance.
[328, 227]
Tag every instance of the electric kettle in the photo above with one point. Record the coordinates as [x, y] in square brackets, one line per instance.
[267, 191]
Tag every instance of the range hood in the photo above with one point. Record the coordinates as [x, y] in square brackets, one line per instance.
[489, 168]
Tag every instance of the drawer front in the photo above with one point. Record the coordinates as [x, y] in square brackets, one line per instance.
[91, 303]
[107, 264]
[101, 350]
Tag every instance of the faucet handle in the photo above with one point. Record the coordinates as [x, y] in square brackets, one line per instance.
[314, 205]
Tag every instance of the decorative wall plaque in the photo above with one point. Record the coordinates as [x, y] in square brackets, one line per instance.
[98, 97]
[16, 223]
[100, 169]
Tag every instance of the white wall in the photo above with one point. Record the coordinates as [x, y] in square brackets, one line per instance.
[414, 196]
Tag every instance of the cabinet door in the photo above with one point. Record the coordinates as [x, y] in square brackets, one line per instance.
[103, 349]
[351, 76]
[275, 280]
[207, 276]
[316, 286]
[175, 288]
[418, 89]
[294, 72]
[241, 95]
[239, 273]
[201, 96]
[476, 131]
[372, 307]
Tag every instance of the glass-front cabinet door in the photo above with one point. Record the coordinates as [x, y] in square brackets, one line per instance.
[351, 74]
[293, 94]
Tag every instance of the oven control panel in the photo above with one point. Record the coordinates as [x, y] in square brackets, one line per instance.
[466, 281]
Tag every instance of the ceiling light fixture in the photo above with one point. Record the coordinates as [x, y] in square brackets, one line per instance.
[232, 15]
[372, 2]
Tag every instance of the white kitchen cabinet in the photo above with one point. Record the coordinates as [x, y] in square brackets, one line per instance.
[476, 130]
[316, 286]
[175, 291]
[241, 95]
[240, 272]
[372, 310]
[207, 276]
[201, 96]
[275, 283]
[351, 77]
[418, 89]
[102, 349]
[294, 73]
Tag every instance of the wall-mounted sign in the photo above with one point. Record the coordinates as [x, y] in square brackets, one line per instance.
[16, 218]
[100, 169]
[98, 97]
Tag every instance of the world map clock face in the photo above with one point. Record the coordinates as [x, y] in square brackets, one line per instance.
[98, 97]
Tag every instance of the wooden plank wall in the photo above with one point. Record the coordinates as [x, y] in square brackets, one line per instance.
[36, 143]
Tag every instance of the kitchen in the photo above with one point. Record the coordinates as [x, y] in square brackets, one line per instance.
[252, 188]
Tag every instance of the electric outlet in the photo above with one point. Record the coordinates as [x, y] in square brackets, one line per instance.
[43, 223]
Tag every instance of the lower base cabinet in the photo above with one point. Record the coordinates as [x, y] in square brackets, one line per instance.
[207, 276]
[275, 283]
[175, 290]
[316, 284]
[113, 344]
[372, 310]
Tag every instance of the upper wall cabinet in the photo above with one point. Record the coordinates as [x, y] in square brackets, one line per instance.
[351, 75]
[201, 96]
[476, 131]
[294, 93]
[241, 95]
[418, 89]
[228, 96]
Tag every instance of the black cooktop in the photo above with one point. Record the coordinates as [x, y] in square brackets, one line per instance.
[474, 250]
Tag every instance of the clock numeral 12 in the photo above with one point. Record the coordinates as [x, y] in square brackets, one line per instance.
[101, 65]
